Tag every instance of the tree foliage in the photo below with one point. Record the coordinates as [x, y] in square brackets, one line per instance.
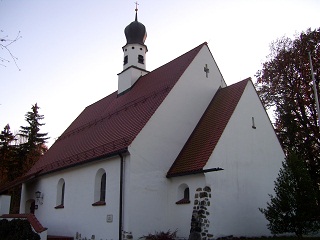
[17, 159]
[17, 229]
[294, 207]
[7, 155]
[34, 146]
[161, 235]
[284, 84]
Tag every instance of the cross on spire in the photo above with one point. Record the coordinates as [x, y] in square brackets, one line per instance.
[136, 10]
[206, 69]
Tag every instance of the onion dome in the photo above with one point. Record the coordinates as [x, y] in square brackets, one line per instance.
[135, 32]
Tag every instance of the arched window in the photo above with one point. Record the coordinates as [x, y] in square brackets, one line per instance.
[60, 193]
[183, 194]
[100, 188]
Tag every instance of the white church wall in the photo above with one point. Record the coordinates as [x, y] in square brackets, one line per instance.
[128, 78]
[132, 51]
[5, 204]
[251, 159]
[160, 141]
[78, 214]
[28, 194]
[179, 215]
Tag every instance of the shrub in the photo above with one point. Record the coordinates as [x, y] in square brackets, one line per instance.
[294, 208]
[17, 229]
[161, 235]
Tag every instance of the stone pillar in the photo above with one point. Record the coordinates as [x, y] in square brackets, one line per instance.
[199, 222]
[5, 204]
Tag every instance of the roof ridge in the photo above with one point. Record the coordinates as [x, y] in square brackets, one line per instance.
[193, 49]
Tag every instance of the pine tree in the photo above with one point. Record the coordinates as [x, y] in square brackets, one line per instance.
[34, 147]
[7, 155]
[294, 208]
[31, 132]
[16, 160]
[28, 152]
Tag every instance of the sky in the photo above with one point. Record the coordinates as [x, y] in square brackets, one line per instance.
[70, 52]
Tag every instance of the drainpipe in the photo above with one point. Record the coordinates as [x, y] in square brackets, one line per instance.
[121, 197]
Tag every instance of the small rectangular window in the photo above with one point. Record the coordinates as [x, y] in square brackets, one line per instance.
[140, 59]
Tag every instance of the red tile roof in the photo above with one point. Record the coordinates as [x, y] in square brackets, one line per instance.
[31, 219]
[201, 143]
[110, 125]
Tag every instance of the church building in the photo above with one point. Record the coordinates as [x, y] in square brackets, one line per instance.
[172, 149]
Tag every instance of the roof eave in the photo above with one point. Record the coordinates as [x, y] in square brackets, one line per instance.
[40, 173]
[109, 155]
[186, 173]
[18, 181]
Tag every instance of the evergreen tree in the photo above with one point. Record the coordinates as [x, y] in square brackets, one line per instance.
[28, 152]
[7, 155]
[31, 132]
[34, 147]
[16, 160]
[294, 208]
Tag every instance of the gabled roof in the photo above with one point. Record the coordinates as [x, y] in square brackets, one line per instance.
[108, 126]
[203, 140]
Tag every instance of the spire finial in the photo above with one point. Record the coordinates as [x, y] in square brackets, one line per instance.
[136, 10]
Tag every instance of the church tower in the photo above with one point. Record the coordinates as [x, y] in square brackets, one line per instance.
[134, 60]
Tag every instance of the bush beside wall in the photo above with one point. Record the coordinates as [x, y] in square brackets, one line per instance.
[17, 229]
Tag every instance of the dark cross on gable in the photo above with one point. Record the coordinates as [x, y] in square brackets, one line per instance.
[206, 69]
[136, 6]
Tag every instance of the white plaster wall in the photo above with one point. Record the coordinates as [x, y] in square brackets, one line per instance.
[78, 214]
[133, 51]
[251, 159]
[5, 204]
[43, 235]
[127, 78]
[23, 198]
[179, 216]
[160, 141]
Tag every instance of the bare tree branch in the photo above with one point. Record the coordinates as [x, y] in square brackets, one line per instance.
[5, 43]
